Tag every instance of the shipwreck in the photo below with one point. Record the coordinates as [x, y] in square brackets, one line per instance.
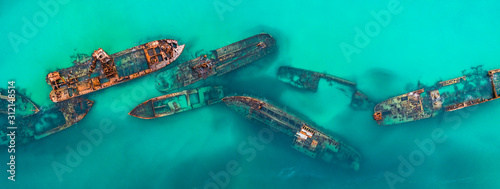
[178, 102]
[308, 138]
[309, 80]
[53, 119]
[476, 86]
[23, 105]
[103, 70]
[216, 62]
[306, 79]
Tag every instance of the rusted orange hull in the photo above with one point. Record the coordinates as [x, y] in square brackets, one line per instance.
[103, 70]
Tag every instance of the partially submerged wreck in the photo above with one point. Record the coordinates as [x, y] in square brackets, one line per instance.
[216, 62]
[306, 79]
[474, 87]
[308, 139]
[309, 80]
[54, 119]
[103, 70]
[23, 105]
[178, 102]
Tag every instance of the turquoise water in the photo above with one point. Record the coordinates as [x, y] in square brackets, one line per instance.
[422, 41]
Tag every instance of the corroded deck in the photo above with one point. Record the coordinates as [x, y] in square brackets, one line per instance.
[103, 70]
[178, 102]
[308, 139]
[54, 119]
[216, 62]
[475, 87]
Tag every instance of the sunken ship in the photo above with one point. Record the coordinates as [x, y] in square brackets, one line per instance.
[308, 139]
[178, 102]
[23, 105]
[309, 80]
[103, 70]
[476, 86]
[216, 62]
[53, 119]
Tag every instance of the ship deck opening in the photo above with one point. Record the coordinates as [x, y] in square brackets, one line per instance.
[131, 63]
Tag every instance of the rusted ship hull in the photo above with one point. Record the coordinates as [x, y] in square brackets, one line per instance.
[23, 105]
[216, 62]
[475, 87]
[56, 118]
[309, 80]
[103, 70]
[178, 102]
[308, 139]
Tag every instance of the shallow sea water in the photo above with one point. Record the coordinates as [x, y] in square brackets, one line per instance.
[422, 41]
